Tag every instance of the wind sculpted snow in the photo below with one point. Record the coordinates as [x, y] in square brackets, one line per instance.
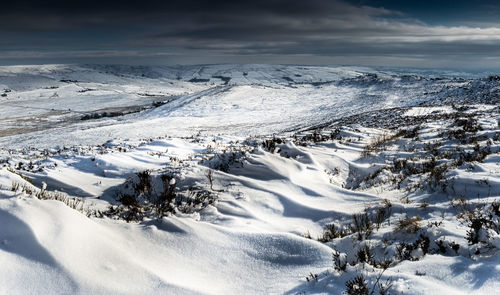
[250, 179]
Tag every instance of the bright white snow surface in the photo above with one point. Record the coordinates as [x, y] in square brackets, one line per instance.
[221, 99]
[260, 234]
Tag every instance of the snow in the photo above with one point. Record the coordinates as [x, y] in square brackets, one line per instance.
[262, 233]
[422, 111]
[258, 100]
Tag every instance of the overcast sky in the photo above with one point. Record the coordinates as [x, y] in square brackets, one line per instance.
[445, 34]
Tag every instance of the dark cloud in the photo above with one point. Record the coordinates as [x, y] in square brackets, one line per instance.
[295, 31]
[63, 15]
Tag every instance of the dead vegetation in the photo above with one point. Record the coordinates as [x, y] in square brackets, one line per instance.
[158, 195]
[379, 143]
[415, 161]
[77, 204]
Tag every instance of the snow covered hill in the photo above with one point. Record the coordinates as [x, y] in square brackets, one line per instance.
[73, 105]
[252, 179]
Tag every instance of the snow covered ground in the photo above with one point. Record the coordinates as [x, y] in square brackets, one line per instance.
[253, 179]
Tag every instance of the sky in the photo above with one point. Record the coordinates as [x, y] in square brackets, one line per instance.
[430, 34]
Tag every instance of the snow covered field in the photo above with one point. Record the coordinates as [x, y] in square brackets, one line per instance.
[252, 179]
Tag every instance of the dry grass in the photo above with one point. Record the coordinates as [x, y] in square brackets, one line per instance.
[378, 143]
[409, 224]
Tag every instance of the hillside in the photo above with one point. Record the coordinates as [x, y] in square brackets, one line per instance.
[252, 179]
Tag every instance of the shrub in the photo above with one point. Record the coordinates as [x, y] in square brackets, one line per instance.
[409, 224]
[480, 219]
[437, 176]
[331, 232]
[443, 246]
[210, 177]
[378, 144]
[15, 186]
[383, 213]
[357, 286]
[408, 133]
[164, 200]
[144, 185]
[365, 255]
[362, 225]
[225, 160]
[156, 196]
[270, 144]
[312, 277]
[339, 261]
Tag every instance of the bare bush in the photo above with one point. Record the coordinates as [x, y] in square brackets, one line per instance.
[409, 224]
